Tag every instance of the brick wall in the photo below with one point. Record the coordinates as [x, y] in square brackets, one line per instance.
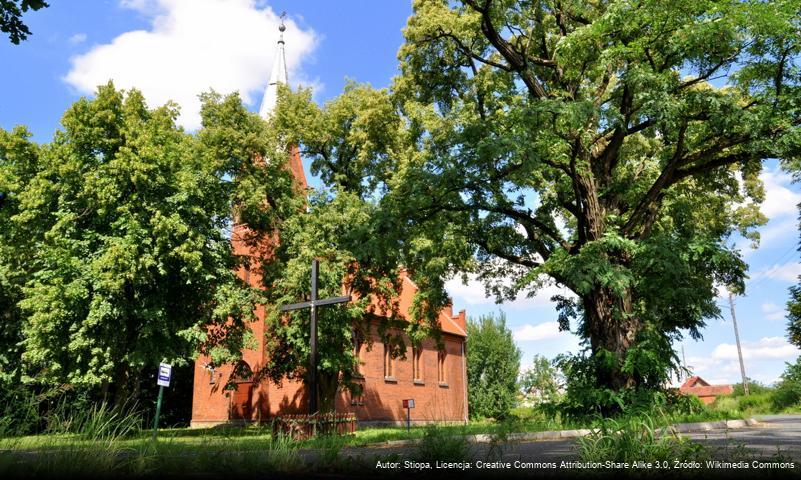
[381, 401]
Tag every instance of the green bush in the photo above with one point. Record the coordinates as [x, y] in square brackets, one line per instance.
[724, 403]
[526, 414]
[759, 402]
[754, 388]
[788, 392]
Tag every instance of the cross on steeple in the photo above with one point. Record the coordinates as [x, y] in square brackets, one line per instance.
[278, 74]
[312, 304]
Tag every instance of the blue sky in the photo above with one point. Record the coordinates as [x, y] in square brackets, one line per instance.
[174, 49]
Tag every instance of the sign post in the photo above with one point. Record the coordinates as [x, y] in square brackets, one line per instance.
[163, 380]
[408, 405]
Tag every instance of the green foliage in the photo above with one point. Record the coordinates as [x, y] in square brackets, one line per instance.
[635, 440]
[20, 413]
[794, 315]
[442, 445]
[541, 383]
[584, 144]
[756, 402]
[493, 364]
[94, 421]
[115, 251]
[788, 391]
[10, 17]
[585, 398]
[358, 238]
[754, 388]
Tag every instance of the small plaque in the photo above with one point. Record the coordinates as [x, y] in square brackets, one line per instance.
[408, 403]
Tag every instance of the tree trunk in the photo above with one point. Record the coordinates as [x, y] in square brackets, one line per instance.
[328, 385]
[121, 386]
[613, 328]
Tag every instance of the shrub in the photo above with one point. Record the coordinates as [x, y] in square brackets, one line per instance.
[788, 392]
[754, 388]
[761, 402]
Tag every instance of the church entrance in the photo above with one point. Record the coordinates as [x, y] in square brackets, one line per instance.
[242, 395]
[240, 401]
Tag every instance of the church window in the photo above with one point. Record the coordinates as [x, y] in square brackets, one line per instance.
[357, 352]
[443, 380]
[389, 363]
[416, 366]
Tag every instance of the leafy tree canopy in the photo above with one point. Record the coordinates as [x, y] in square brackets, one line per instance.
[541, 382]
[116, 231]
[611, 147]
[11, 17]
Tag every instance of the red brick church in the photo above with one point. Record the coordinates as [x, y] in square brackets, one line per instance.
[435, 379]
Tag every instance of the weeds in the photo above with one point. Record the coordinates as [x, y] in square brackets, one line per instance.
[443, 445]
[636, 439]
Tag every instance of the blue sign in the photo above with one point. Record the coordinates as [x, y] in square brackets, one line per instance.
[165, 372]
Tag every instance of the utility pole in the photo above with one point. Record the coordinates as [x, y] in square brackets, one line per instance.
[737, 337]
[684, 359]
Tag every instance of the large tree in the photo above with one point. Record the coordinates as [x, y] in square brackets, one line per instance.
[118, 251]
[356, 238]
[610, 147]
[18, 165]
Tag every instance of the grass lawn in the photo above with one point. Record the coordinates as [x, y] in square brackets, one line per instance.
[225, 450]
[239, 437]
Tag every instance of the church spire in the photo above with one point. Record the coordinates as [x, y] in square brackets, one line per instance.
[278, 75]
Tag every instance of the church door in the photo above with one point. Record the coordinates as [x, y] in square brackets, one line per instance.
[240, 401]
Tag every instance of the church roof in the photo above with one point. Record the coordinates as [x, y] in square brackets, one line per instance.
[448, 322]
[278, 75]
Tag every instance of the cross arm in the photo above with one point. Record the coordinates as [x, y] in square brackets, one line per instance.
[315, 303]
[332, 300]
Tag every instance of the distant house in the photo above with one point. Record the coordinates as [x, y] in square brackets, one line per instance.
[707, 393]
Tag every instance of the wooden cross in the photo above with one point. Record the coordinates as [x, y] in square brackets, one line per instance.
[313, 304]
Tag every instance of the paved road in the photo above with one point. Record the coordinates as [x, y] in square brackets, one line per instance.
[777, 433]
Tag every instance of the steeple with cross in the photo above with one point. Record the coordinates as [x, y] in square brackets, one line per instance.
[278, 74]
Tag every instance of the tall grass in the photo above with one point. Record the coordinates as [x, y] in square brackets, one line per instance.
[97, 422]
[217, 455]
[441, 444]
[636, 439]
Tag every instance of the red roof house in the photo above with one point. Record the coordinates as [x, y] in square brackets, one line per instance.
[707, 393]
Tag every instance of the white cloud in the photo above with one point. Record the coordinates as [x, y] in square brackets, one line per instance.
[192, 46]
[473, 293]
[780, 206]
[768, 348]
[542, 331]
[773, 311]
[780, 201]
[787, 272]
[77, 38]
